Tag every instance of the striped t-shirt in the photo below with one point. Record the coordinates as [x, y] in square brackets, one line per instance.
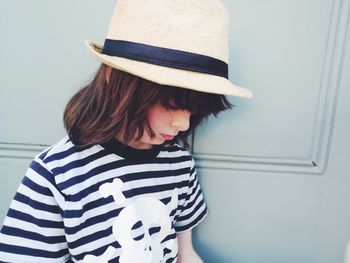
[104, 203]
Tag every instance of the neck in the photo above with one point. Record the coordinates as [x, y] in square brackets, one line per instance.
[139, 145]
[136, 144]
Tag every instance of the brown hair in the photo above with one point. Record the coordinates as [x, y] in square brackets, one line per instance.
[118, 108]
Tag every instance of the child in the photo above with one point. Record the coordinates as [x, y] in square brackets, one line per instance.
[119, 188]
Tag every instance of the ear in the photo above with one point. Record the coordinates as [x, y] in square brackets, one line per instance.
[108, 73]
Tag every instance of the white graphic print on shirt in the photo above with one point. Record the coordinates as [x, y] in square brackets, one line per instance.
[151, 213]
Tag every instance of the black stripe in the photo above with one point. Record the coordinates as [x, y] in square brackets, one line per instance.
[33, 252]
[165, 57]
[92, 221]
[193, 223]
[12, 231]
[36, 204]
[40, 170]
[36, 187]
[121, 164]
[90, 238]
[63, 154]
[78, 162]
[43, 223]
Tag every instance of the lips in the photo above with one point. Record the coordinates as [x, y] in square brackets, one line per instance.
[167, 136]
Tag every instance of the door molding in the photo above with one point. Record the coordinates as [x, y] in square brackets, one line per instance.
[316, 163]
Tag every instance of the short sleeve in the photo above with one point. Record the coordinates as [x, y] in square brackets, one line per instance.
[33, 229]
[194, 209]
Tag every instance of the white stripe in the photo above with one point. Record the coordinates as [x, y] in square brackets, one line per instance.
[96, 244]
[32, 243]
[178, 153]
[37, 178]
[15, 258]
[58, 196]
[190, 220]
[73, 222]
[27, 226]
[193, 196]
[74, 189]
[60, 146]
[137, 232]
[25, 190]
[193, 207]
[73, 157]
[155, 181]
[83, 169]
[36, 213]
[86, 231]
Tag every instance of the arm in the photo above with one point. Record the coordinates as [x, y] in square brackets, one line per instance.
[186, 250]
[33, 229]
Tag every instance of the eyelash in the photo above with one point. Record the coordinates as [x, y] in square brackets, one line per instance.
[170, 106]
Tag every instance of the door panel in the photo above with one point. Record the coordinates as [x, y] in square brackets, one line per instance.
[275, 170]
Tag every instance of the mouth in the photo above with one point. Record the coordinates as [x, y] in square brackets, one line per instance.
[167, 137]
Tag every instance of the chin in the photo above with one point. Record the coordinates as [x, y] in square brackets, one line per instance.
[159, 142]
[156, 141]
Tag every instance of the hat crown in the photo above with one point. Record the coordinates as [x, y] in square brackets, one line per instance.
[181, 43]
[196, 26]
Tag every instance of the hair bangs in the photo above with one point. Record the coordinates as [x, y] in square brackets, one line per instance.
[196, 102]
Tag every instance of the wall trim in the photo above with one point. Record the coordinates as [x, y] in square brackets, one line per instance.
[257, 164]
[20, 150]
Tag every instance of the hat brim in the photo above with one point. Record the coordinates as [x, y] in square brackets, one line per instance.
[171, 76]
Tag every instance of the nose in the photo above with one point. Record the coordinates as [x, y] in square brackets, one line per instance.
[181, 119]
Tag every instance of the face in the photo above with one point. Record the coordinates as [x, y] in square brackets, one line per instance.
[165, 123]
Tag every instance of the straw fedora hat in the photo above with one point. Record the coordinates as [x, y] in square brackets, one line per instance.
[182, 43]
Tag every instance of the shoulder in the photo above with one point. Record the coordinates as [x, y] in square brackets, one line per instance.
[64, 152]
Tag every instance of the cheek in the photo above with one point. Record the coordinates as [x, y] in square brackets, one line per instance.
[158, 118]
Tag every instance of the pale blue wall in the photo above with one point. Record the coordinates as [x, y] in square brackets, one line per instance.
[277, 180]
[275, 171]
